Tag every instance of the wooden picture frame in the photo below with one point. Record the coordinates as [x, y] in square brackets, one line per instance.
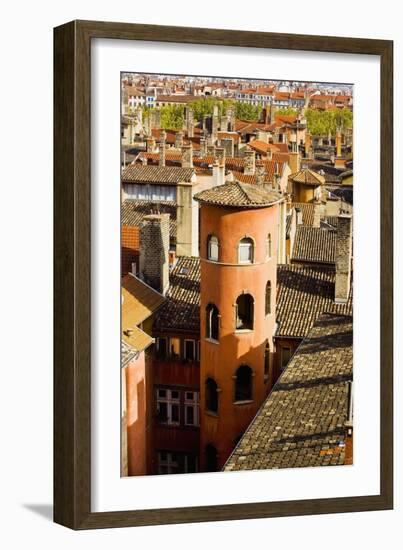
[72, 272]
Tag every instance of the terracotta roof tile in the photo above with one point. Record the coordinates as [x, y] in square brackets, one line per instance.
[303, 421]
[241, 195]
[307, 209]
[182, 308]
[303, 294]
[139, 301]
[156, 174]
[136, 338]
[307, 177]
[314, 245]
[133, 212]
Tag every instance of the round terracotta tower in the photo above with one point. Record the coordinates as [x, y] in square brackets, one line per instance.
[238, 254]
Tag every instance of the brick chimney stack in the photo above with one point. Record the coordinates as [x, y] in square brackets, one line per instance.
[187, 155]
[162, 148]
[316, 213]
[338, 142]
[203, 146]
[215, 123]
[231, 119]
[154, 251]
[250, 162]
[260, 172]
[189, 118]
[178, 139]
[343, 258]
[228, 144]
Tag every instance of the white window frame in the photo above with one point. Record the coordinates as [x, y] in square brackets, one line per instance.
[171, 466]
[194, 404]
[213, 245]
[246, 246]
[170, 402]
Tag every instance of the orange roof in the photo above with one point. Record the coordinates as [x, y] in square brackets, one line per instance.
[139, 301]
[261, 146]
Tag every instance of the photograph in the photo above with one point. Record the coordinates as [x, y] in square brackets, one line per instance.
[236, 274]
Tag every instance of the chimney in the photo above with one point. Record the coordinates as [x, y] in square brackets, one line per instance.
[189, 121]
[295, 162]
[270, 153]
[187, 156]
[203, 146]
[220, 152]
[162, 148]
[298, 216]
[343, 259]
[338, 143]
[316, 213]
[154, 251]
[260, 173]
[224, 123]
[308, 145]
[210, 150]
[178, 139]
[150, 145]
[231, 119]
[228, 144]
[272, 113]
[218, 172]
[266, 113]
[214, 126]
[250, 160]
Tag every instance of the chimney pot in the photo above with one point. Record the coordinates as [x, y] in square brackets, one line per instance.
[343, 258]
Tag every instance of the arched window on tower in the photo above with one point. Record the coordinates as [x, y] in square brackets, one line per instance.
[243, 383]
[211, 458]
[211, 395]
[212, 322]
[245, 251]
[268, 298]
[212, 248]
[268, 246]
[244, 312]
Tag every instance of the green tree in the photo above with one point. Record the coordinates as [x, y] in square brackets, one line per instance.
[246, 111]
[325, 122]
[289, 111]
[205, 105]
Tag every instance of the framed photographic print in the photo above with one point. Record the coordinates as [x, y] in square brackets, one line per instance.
[218, 194]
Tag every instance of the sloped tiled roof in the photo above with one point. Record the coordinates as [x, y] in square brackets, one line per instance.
[307, 177]
[139, 301]
[133, 212]
[156, 174]
[303, 421]
[314, 244]
[182, 308]
[262, 146]
[303, 294]
[127, 354]
[136, 338]
[241, 195]
[307, 210]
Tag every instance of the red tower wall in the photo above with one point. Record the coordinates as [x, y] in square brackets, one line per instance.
[221, 283]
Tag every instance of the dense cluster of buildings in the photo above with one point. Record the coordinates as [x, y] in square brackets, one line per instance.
[236, 280]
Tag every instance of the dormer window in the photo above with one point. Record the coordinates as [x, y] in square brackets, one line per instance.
[212, 248]
[245, 251]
